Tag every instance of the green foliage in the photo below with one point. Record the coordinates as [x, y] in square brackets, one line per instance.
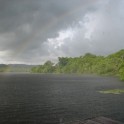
[88, 64]
[113, 91]
[3, 68]
[121, 71]
[15, 68]
[46, 68]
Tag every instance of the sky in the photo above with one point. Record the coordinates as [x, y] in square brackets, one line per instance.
[34, 31]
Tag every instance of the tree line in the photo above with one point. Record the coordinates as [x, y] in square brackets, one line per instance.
[88, 64]
[15, 68]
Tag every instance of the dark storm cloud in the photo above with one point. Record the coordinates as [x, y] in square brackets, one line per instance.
[25, 24]
[38, 14]
[32, 31]
[14, 13]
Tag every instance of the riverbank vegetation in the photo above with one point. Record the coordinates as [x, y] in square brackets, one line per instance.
[88, 64]
[3, 67]
[112, 91]
[15, 68]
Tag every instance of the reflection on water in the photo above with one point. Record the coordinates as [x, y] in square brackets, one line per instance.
[54, 99]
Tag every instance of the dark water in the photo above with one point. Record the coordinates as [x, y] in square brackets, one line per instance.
[56, 99]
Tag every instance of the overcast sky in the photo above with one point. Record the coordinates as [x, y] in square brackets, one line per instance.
[33, 31]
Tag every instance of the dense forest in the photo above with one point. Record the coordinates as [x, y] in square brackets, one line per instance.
[88, 64]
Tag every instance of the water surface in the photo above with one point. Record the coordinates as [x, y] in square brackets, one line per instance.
[55, 99]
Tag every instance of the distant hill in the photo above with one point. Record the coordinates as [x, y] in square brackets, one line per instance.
[3, 67]
[16, 68]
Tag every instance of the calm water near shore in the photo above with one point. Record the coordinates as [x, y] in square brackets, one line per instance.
[56, 99]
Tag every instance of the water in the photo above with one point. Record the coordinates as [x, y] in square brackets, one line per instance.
[56, 99]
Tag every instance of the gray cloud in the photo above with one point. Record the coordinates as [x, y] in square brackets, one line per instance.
[34, 31]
